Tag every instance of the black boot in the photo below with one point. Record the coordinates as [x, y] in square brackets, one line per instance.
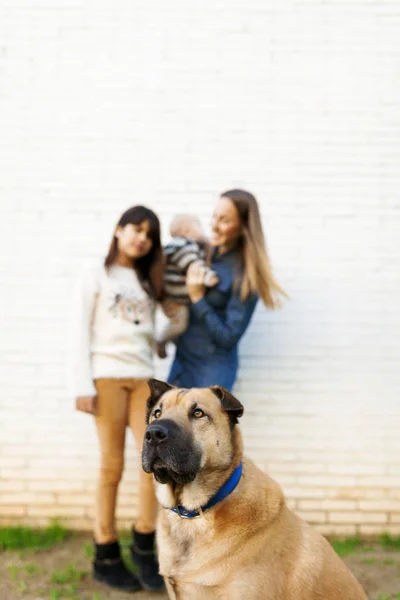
[144, 556]
[109, 568]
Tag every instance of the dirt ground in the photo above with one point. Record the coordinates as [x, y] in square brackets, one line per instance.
[64, 572]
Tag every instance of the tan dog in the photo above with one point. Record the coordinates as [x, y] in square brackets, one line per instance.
[248, 545]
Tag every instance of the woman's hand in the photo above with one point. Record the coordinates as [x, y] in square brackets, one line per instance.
[195, 281]
[86, 404]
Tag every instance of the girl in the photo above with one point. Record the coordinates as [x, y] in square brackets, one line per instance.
[112, 360]
[207, 353]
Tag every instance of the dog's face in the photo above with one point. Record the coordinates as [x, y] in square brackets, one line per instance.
[189, 430]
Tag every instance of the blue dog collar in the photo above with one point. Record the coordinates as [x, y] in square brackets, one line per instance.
[222, 493]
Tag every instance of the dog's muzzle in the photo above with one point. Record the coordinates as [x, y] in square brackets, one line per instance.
[156, 433]
[169, 451]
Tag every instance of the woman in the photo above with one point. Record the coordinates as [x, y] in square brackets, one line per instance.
[207, 353]
[112, 358]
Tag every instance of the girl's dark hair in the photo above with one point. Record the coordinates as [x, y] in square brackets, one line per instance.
[149, 268]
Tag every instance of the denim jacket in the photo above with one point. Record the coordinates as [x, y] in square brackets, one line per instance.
[207, 353]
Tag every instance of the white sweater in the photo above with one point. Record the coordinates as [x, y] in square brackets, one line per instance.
[112, 328]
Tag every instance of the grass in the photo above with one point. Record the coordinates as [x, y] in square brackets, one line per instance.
[389, 542]
[351, 545]
[32, 569]
[126, 543]
[72, 593]
[18, 538]
[347, 546]
[29, 569]
[369, 561]
[69, 578]
[65, 581]
[389, 561]
[13, 572]
[62, 583]
[70, 575]
[88, 550]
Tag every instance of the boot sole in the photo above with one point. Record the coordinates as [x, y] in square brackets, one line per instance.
[149, 588]
[137, 588]
[146, 586]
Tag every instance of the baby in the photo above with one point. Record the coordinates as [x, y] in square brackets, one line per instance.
[188, 244]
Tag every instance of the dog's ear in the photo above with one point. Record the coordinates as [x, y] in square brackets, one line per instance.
[230, 404]
[157, 389]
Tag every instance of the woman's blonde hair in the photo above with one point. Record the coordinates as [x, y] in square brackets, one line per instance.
[256, 276]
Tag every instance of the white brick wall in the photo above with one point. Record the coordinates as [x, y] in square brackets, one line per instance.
[105, 104]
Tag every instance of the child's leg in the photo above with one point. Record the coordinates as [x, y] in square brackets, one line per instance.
[147, 513]
[176, 326]
[143, 534]
[111, 421]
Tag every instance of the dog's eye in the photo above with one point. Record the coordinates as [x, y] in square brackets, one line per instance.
[198, 413]
[157, 413]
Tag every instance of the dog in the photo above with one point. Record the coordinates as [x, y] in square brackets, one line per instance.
[224, 531]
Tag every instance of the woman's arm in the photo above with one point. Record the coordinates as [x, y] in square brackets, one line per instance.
[82, 310]
[226, 332]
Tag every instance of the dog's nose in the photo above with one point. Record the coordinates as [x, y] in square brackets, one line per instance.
[156, 433]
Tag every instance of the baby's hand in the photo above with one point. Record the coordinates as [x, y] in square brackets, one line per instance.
[211, 279]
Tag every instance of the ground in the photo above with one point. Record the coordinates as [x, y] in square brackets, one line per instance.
[55, 564]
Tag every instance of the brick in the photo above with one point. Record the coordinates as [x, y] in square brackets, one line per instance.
[377, 530]
[327, 504]
[357, 517]
[380, 482]
[326, 481]
[74, 499]
[26, 498]
[13, 511]
[55, 511]
[79, 524]
[297, 492]
[291, 503]
[312, 516]
[8, 462]
[335, 529]
[394, 517]
[358, 469]
[12, 486]
[381, 505]
[11, 521]
[53, 485]
[125, 512]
